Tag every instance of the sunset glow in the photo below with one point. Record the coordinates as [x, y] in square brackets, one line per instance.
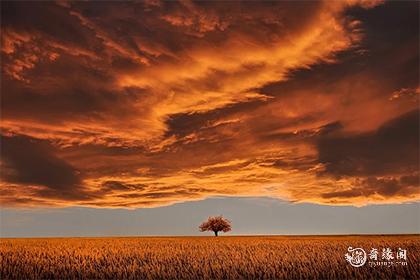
[132, 105]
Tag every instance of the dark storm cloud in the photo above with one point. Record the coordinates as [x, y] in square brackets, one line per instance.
[30, 161]
[78, 96]
[184, 124]
[403, 186]
[387, 47]
[391, 149]
[47, 18]
[310, 134]
[330, 128]
[29, 166]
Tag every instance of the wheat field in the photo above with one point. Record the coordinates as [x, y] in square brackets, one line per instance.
[250, 257]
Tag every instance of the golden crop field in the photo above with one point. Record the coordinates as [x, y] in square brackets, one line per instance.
[250, 257]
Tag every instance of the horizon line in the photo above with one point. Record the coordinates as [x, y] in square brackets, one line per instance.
[211, 236]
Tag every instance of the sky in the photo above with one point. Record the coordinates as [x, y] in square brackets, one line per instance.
[249, 216]
[148, 107]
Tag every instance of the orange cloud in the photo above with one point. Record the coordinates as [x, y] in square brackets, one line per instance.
[148, 104]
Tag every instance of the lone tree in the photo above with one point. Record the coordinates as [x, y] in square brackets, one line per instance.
[216, 224]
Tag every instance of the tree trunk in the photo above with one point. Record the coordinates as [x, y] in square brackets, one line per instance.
[215, 233]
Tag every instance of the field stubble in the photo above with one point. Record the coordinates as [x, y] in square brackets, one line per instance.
[258, 257]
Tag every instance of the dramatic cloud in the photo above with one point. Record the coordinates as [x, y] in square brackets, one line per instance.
[393, 148]
[152, 103]
[29, 162]
[30, 168]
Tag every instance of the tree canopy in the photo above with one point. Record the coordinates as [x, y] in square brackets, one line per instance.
[216, 224]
